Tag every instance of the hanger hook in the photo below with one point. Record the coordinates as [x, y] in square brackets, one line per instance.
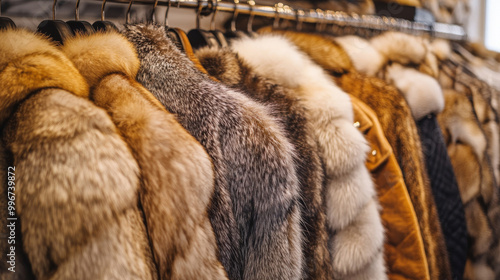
[165, 20]
[198, 14]
[102, 9]
[251, 4]
[127, 18]
[298, 15]
[276, 23]
[153, 12]
[77, 10]
[235, 15]
[214, 7]
[54, 4]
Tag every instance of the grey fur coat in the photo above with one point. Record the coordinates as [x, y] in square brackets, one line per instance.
[255, 212]
[227, 67]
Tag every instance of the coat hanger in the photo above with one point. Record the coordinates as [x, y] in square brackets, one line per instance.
[234, 33]
[198, 37]
[57, 30]
[5, 22]
[298, 19]
[250, 31]
[80, 26]
[104, 25]
[217, 33]
[174, 34]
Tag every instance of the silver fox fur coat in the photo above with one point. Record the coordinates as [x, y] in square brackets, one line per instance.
[228, 68]
[255, 212]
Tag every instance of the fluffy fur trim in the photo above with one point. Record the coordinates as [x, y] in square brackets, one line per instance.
[176, 173]
[365, 58]
[100, 54]
[400, 47]
[262, 55]
[29, 62]
[341, 147]
[422, 92]
[255, 212]
[231, 70]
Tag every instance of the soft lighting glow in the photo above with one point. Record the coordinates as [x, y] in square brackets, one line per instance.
[492, 37]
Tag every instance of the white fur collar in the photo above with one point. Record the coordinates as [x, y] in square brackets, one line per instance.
[400, 47]
[422, 92]
[275, 57]
[365, 58]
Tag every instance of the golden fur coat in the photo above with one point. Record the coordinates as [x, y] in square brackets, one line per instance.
[76, 223]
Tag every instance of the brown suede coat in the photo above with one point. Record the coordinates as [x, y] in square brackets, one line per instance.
[404, 248]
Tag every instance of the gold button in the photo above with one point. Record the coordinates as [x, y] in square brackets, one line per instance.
[374, 152]
[357, 124]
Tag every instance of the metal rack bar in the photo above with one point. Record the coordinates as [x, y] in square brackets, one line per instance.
[440, 30]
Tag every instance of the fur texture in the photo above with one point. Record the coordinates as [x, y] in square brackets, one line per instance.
[400, 129]
[422, 92]
[227, 67]
[76, 224]
[468, 111]
[352, 210]
[177, 179]
[255, 212]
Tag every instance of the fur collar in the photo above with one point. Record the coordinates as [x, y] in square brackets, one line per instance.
[365, 58]
[100, 54]
[400, 47]
[277, 58]
[29, 62]
[422, 92]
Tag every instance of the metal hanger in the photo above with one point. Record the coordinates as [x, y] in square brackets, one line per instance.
[174, 34]
[80, 26]
[198, 37]
[219, 35]
[5, 22]
[233, 33]
[104, 25]
[129, 9]
[250, 32]
[57, 30]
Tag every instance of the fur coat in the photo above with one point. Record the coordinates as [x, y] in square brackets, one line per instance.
[470, 125]
[356, 232]
[395, 117]
[177, 180]
[255, 212]
[227, 67]
[76, 223]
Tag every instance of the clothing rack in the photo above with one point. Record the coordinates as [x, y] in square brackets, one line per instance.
[318, 16]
